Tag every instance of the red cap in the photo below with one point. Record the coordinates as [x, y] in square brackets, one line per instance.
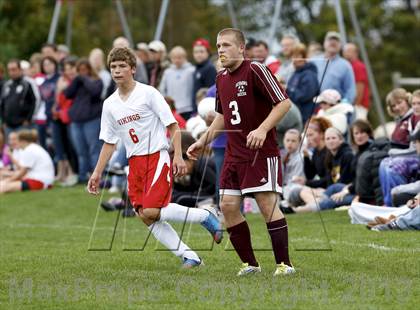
[202, 42]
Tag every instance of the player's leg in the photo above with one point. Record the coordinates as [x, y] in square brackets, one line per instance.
[178, 213]
[158, 196]
[168, 237]
[10, 186]
[148, 201]
[268, 203]
[263, 179]
[239, 233]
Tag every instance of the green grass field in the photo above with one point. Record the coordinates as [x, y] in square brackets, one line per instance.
[45, 262]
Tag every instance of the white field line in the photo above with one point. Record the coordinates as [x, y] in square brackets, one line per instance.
[360, 245]
[371, 245]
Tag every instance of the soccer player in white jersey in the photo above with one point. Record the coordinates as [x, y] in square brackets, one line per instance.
[138, 115]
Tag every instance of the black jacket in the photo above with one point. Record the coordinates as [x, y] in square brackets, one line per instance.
[202, 180]
[204, 76]
[316, 167]
[363, 148]
[340, 167]
[17, 103]
[367, 185]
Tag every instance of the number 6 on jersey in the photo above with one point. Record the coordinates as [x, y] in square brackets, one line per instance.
[236, 117]
[133, 135]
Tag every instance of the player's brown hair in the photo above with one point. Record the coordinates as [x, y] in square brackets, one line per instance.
[301, 50]
[363, 126]
[28, 135]
[239, 35]
[122, 54]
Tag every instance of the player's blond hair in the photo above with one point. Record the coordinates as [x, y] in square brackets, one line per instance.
[122, 54]
[238, 34]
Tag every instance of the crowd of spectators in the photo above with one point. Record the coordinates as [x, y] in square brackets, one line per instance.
[51, 104]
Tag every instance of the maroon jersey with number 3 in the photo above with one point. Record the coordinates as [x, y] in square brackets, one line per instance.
[245, 97]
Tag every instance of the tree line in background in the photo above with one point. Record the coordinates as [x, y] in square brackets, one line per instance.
[391, 27]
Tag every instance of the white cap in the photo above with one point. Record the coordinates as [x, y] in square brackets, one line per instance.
[142, 46]
[157, 46]
[330, 96]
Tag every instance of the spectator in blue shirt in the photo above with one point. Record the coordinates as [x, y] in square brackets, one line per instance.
[339, 73]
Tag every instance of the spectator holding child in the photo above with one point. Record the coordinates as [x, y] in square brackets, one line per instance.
[85, 115]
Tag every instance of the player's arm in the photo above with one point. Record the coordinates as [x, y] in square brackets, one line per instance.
[106, 153]
[256, 138]
[179, 167]
[211, 133]
[18, 174]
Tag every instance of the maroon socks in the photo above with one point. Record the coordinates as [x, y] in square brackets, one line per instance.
[279, 240]
[240, 237]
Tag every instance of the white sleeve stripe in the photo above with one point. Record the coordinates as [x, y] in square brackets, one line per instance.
[269, 88]
[270, 79]
[262, 81]
[273, 83]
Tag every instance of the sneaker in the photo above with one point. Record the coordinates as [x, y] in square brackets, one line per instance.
[189, 263]
[213, 225]
[107, 206]
[71, 180]
[247, 269]
[283, 269]
[383, 227]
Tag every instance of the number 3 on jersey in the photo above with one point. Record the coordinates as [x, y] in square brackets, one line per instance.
[133, 135]
[236, 117]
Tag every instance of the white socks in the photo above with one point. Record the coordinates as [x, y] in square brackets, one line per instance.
[177, 213]
[166, 235]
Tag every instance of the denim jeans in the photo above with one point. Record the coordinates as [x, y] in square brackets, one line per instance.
[118, 159]
[59, 133]
[328, 203]
[389, 179]
[410, 220]
[86, 141]
[42, 134]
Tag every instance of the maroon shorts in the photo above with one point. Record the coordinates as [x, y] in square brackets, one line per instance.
[150, 180]
[264, 175]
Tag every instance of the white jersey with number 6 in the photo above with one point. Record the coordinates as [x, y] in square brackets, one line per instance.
[140, 121]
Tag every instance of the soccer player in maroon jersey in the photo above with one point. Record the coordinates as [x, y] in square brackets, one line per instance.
[249, 102]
